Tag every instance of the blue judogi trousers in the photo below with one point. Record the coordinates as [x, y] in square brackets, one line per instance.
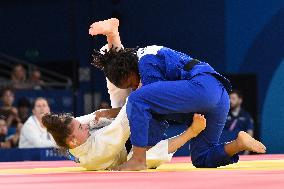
[201, 94]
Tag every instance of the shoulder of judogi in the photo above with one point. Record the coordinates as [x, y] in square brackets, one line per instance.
[149, 50]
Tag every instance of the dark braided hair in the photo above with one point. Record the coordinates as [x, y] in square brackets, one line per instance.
[58, 125]
[117, 65]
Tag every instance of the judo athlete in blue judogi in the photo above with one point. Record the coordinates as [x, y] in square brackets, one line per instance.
[169, 85]
[173, 84]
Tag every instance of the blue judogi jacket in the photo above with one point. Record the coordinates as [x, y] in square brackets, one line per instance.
[157, 63]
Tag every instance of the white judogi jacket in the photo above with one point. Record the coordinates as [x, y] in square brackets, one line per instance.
[105, 148]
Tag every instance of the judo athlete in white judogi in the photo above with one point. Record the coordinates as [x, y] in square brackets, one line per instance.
[104, 148]
[99, 142]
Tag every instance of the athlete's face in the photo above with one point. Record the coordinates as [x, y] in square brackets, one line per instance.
[80, 133]
[132, 82]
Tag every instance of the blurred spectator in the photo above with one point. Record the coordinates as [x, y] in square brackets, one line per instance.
[3, 130]
[24, 106]
[238, 119]
[104, 105]
[33, 133]
[8, 141]
[18, 77]
[7, 110]
[35, 80]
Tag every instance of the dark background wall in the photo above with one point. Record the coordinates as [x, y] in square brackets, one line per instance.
[255, 45]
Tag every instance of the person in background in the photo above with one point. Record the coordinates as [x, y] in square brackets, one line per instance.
[3, 130]
[34, 134]
[8, 111]
[8, 141]
[18, 77]
[35, 80]
[237, 120]
[24, 106]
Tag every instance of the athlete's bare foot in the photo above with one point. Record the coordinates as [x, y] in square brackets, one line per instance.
[198, 124]
[133, 165]
[106, 27]
[246, 142]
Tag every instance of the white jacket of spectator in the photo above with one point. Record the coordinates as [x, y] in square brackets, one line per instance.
[33, 135]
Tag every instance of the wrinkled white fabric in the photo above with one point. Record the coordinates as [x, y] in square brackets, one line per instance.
[105, 148]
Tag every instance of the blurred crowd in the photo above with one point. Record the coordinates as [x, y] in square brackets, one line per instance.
[21, 125]
[20, 80]
[21, 122]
